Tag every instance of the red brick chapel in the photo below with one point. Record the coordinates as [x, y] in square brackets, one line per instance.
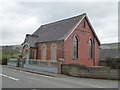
[72, 39]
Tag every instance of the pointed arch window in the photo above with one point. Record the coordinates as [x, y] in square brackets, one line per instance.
[44, 53]
[53, 52]
[93, 49]
[90, 49]
[75, 47]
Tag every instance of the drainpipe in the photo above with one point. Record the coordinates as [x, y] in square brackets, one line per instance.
[63, 50]
[94, 53]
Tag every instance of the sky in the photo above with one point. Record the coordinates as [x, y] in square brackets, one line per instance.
[20, 18]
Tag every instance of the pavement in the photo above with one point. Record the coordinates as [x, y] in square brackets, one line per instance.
[52, 74]
[39, 68]
[14, 77]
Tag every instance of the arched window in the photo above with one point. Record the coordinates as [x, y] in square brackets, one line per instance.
[34, 55]
[93, 49]
[75, 47]
[90, 48]
[44, 53]
[54, 52]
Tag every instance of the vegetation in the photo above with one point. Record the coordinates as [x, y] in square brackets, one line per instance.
[3, 61]
[10, 51]
[114, 63]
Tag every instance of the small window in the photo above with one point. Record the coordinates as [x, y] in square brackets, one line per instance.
[44, 53]
[54, 52]
[84, 24]
[34, 55]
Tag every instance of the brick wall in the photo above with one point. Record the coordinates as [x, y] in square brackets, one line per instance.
[59, 47]
[90, 72]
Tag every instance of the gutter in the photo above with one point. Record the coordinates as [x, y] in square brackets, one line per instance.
[50, 41]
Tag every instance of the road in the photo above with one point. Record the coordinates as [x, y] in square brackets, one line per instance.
[12, 78]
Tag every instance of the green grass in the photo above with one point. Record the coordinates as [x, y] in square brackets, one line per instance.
[7, 56]
[12, 58]
[0, 55]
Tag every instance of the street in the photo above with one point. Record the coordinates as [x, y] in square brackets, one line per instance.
[12, 78]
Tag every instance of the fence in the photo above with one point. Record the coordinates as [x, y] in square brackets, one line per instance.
[50, 63]
[44, 65]
[12, 61]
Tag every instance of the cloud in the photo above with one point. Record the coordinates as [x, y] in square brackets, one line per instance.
[18, 19]
[16, 29]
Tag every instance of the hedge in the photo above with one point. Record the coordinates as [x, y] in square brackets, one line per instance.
[4, 61]
[114, 63]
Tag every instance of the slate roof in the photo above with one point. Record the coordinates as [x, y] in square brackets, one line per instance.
[110, 45]
[55, 31]
[31, 39]
[105, 47]
[112, 53]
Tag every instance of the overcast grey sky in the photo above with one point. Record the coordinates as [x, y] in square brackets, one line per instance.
[18, 19]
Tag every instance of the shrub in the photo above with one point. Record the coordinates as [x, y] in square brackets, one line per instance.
[4, 61]
[108, 61]
[114, 63]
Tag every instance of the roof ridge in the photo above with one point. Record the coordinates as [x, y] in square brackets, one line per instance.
[63, 19]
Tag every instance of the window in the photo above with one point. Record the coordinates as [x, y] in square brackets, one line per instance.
[34, 55]
[84, 24]
[75, 47]
[53, 52]
[44, 53]
[90, 48]
[93, 49]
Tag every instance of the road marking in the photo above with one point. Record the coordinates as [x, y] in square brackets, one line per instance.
[9, 77]
[62, 79]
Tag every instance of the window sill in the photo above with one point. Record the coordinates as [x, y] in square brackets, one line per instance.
[75, 58]
[90, 59]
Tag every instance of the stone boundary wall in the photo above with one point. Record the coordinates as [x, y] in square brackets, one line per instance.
[90, 72]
